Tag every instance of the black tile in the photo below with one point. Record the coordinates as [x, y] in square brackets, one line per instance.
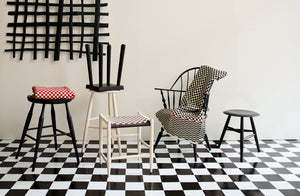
[153, 186]
[213, 193]
[184, 172]
[227, 185]
[115, 186]
[88, 160]
[273, 177]
[177, 193]
[84, 171]
[78, 185]
[51, 171]
[56, 192]
[164, 165]
[47, 154]
[169, 179]
[204, 178]
[238, 178]
[134, 165]
[178, 160]
[99, 178]
[134, 178]
[196, 165]
[290, 192]
[58, 160]
[190, 186]
[252, 192]
[6, 184]
[208, 160]
[295, 184]
[135, 193]
[95, 192]
[147, 172]
[117, 171]
[16, 192]
[264, 185]
[216, 171]
[17, 170]
[41, 185]
[7, 164]
[28, 177]
[62, 177]
[281, 171]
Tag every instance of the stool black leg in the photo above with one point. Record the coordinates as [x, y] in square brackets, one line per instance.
[224, 131]
[207, 142]
[158, 138]
[27, 122]
[255, 134]
[242, 139]
[70, 123]
[38, 136]
[195, 151]
[54, 125]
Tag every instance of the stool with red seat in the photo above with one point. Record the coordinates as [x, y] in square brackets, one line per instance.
[51, 96]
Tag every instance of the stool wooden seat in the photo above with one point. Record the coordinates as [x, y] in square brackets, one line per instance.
[123, 122]
[56, 132]
[241, 130]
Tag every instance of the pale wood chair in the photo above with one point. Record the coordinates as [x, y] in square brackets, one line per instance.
[124, 122]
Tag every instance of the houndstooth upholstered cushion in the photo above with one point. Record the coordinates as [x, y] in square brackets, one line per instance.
[129, 121]
[187, 122]
[52, 93]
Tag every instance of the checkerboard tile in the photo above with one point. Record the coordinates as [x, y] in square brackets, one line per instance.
[274, 171]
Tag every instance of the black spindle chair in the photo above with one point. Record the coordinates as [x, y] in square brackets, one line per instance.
[171, 99]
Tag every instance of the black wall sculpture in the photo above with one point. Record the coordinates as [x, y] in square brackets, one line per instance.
[55, 26]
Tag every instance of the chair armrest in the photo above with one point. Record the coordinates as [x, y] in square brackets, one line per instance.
[172, 90]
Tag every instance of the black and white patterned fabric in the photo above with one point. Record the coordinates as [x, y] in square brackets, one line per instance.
[187, 122]
[129, 121]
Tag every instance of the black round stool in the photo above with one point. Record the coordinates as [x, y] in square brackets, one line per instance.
[241, 130]
[39, 135]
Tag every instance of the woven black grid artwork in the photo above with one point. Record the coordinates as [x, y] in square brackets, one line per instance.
[55, 26]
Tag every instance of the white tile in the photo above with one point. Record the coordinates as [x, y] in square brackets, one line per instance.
[212, 165]
[118, 165]
[221, 178]
[4, 170]
[223, 160]
[281, 159]
[187, 178]
[11, 177]
[97, 185]
[288, 154]
[233, 171]
[281, 185]
[114, 193]
[67, 171]
[163, 160]
[46, 177]
[36, 171]
[152, 178]
[82, 177]
[154, 193]
[290, 177]
[256, 178]
[265, 171]
[245, 185]
[167, 172]
[22, 185]
[98, 171]
[209, 186]
[172, 186]
[116, 178]
[232, 192]
[181, 166]
[200, 171]
[194, 193]
[204, 155]
[252, 159]
[72, 192]
[243, 165]
[55, 165]
[60, 185]
[134, 186]
[43, 159]
[134, 171]
[272, 192]
[37, 192]
[274, 165]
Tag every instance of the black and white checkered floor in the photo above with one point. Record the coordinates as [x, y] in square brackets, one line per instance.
[274, 171]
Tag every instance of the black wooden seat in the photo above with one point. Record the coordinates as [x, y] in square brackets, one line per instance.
[56, 132]
[241, 130]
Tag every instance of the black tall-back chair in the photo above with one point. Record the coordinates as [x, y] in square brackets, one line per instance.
[182, 101]
[103, 86]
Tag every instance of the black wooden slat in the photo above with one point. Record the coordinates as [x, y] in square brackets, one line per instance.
[96, 29]
[82, 29]
[53, 35]
[100, 65]
[15, 28]
[121, 60]
[71, 30]
[13, 13]
[58, 30]
[108, 64]
[35, 31]
[24, 30]
[89, 63]
[47, 30]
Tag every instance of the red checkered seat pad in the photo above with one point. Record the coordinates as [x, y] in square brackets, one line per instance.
[129, 121]
[52, 92]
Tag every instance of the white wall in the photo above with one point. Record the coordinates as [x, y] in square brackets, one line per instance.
[257, 42]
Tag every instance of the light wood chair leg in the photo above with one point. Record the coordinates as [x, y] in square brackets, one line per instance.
[151, 144]
[139, 141]
[87, 121]
[108, 162]
[116, 114]
[100, 138]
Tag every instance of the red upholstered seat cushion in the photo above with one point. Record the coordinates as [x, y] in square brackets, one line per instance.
[52, 92]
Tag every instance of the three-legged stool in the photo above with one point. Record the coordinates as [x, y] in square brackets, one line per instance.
[56, 132]
[241, 130]
[123, 122]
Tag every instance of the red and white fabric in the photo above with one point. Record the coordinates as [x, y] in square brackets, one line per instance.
[52, 92]
[129, 121]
